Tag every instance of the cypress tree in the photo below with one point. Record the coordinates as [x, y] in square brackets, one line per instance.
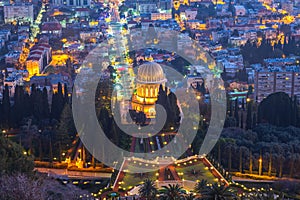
[66, 93]
[32, 98]
[162, 97]
[241, 159]
[1, 116]
[197, 86]
[6, 107]
[242, 120]
[270, 163]
[162, 100]
[57, 103]
[243, 104]
[18, 109]
[230, 108]
[202, 88]
[114, 133]
[66, 130]
[45, 101]
[236, 112]
[174, 109]
[229, 158]
[27, 105]
[250, 162]
[60, 89]
[249, 116]
[38, 105]
[292, 163]
[259, 115]
[254, 121]
[54, 111]
[104, 120]
[295, 112]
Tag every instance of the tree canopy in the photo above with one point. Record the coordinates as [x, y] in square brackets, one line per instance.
[13, 159]
[278, 109]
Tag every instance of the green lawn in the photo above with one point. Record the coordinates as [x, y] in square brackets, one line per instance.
[194, 172]
[133, 179]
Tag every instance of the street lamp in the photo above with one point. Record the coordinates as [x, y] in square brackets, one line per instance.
[4, 133]
[260, 166]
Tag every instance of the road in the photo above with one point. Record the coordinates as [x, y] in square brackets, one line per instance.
[235, 178]
[73, 174]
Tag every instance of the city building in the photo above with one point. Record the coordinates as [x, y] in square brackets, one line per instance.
[149, 78]
[196, 24]
[90, 35]
[5, 35]
[250, 35]
[161, 16]
[191, 14]
[147, 8]
[40, 55]
[18, 12]
[52, 28]
[49, 81]
[279, 75]
[14, 78]
[12, 58]
[165, 4]
[71, 3]
[237, 41]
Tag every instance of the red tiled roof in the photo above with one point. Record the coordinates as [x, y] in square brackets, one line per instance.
[36, 51]
[35, 55]
[41, 48]
[45, 45]
[34, 47]
[51, 26]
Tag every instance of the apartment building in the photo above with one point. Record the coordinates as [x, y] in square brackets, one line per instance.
[273, 80]
[18, 12]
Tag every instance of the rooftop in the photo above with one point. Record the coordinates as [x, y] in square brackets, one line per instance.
[51, 26]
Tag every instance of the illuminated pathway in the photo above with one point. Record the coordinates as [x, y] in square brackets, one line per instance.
[35, 26]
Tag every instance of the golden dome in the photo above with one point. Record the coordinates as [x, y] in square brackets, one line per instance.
[150, 73]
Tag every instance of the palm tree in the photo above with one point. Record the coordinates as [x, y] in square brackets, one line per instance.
[217, 192]
[190, 196]
[148, 190]
[172, 192]
[199, 187]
